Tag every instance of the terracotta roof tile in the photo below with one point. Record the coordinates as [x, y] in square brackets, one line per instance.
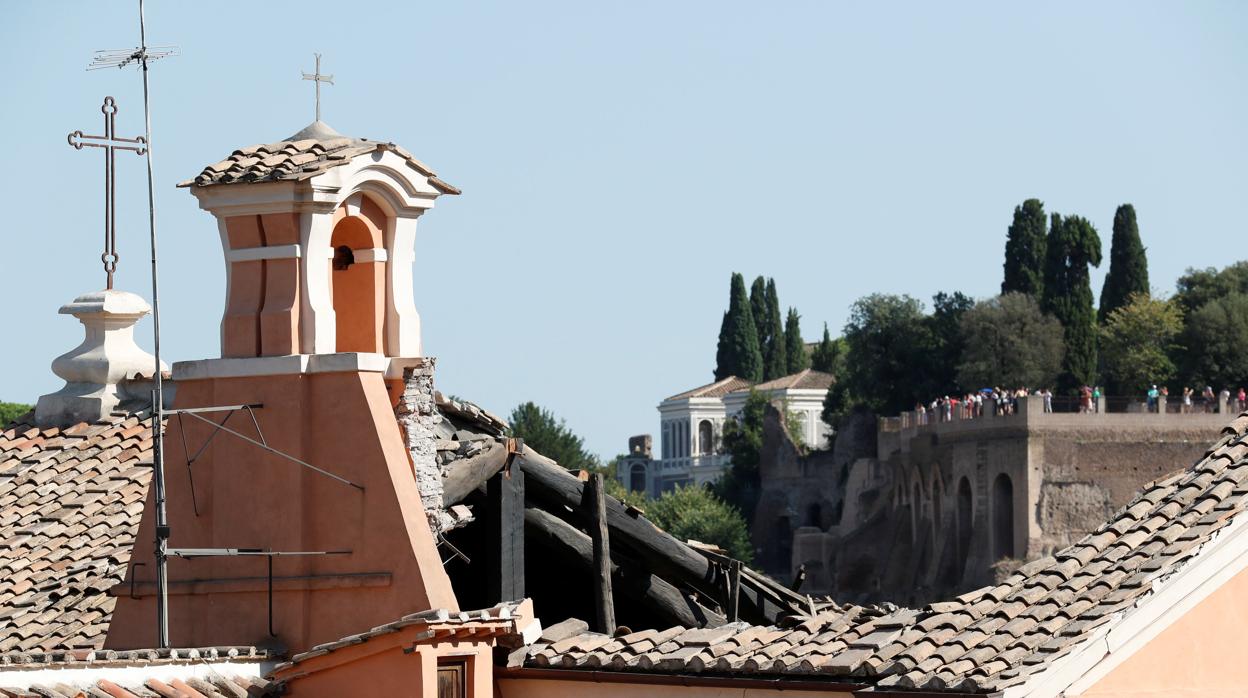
[719, 388]
[989, 639]
[72, 500]
[299, 160]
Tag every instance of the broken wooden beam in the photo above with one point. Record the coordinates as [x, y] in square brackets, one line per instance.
[468, 474]
[656, 593]
[595, 506]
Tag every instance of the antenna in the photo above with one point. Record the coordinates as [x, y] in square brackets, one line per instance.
[120, 58]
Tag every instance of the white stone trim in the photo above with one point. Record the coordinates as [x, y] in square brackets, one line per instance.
[252, 254]
[369, 254]
[85, 673]
[281, 365]
[1217, 562]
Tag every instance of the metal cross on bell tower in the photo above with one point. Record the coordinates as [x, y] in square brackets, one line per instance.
[111, 143]
[317, 79]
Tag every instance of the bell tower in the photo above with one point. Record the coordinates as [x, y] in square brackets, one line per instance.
[319, 233]
[314, 476]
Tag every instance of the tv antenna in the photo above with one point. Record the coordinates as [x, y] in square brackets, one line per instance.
[141, 57]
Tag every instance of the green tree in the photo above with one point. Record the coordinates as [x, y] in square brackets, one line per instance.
[695, 513]
[738, 352]
[775, 357]
[794, 348]
[1128, 264]
[1217, 333]
[10, 411]
[1073, 244]
[758, 311]
[1137, 341]
[945, 325]
[889, 345]
[550, 437]
[1010, 343]
[1025, 246]
[743, 441]
[823, 356]
[1199, 286]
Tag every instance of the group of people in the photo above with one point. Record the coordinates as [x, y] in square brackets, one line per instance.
[972, 405]
[1207, 401]
[1005, 401]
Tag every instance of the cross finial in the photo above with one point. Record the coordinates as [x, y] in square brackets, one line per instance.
[317, 79]
[111, 143]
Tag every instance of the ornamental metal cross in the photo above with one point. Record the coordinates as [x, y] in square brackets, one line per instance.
[111, 143]
[317, 78]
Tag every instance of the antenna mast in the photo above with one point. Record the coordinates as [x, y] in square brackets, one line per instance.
[141, 56]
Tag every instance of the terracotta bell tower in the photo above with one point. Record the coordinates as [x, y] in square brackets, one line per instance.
[319, 330]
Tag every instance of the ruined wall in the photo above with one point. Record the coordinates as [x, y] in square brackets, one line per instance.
[932, 510]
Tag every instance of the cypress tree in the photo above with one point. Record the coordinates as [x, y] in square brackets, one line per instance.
[1025, 251]
[1128, 265]
[823, 356]
[794, 347]
[758, 310]
[1073, 244]
[775, 357]
[738, 353]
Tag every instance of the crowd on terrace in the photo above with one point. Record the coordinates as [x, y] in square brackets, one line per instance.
[1001, 402]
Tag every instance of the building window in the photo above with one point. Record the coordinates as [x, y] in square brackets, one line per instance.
[637, 478]
[452, 680]
[706, 438]
[1002, 517]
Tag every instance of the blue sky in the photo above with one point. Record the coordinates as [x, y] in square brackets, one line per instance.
[619, 161]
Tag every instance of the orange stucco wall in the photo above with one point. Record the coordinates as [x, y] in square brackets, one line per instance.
[247, 498]
[365, 670]
[262, 310]
[546, 688]
[1203, 653]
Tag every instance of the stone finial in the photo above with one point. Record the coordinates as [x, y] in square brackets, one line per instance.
[108, 368]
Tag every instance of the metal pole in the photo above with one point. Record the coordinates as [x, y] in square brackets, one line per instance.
[158, 395]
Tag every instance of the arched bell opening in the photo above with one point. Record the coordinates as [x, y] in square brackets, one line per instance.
[358, 283]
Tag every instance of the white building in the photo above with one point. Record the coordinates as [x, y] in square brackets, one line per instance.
[691, 427]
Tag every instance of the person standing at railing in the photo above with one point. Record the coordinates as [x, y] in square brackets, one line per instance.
[1048, 400]
[1152, 398]
[1187, 399]
[1240, 399]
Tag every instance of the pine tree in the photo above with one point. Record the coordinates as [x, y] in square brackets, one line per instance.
[1128, 265]
[1073, 244]
[738, 353]
[823, 356]
[758, 310]
[775, 357]
[794, 347]
[1025, 251]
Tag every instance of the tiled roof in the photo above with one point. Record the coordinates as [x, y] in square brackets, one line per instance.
[736, 648]
[301, 159]
[719, 388]
[808, 379]
[983, 641]
[70, 504]
[494, 620]
[83, 673]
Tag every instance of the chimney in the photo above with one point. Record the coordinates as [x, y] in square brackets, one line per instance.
[108, 369]
[318, 233]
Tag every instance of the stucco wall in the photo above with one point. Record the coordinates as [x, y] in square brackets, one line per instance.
[1201, 654]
